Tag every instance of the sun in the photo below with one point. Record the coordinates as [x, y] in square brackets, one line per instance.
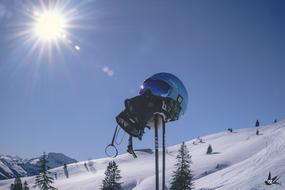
[49, 29]
[50, 25]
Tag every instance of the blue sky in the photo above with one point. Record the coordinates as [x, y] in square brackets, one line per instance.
[230, 55]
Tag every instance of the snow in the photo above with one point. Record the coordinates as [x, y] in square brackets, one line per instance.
[240, 161]
[34, 161]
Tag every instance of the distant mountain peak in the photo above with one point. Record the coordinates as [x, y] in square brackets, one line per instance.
[14, 166]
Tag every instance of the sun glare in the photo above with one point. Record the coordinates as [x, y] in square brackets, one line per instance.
[49, 28]
[50, 25]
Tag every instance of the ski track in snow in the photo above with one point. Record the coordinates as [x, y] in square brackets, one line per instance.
[243, 158]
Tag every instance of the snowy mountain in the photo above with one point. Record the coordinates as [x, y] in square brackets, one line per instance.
[13, 166]
[240, 161]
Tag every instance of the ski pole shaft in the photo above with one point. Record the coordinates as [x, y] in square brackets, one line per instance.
[163, 153]
[156, 123]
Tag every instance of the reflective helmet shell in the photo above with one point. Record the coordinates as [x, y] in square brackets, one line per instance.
[177, 90]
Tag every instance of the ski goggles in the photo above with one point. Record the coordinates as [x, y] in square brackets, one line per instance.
[157, 87]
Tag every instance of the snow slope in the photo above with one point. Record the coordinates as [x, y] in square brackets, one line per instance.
[241, 161]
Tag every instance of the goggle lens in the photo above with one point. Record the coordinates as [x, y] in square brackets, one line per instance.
[157, 87]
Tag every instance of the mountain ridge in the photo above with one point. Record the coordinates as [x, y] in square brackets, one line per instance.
[14, 166]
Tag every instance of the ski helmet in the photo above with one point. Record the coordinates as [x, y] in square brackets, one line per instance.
[166, 85]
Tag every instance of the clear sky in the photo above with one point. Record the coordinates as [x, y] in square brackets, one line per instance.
[230, 55]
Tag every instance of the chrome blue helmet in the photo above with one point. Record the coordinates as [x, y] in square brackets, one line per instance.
[167, 85]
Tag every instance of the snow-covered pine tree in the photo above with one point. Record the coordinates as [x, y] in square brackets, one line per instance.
[65, 170]
[12, 186]
[182, 177]
[112, 177]
[209, 149]
[257, 123]
[44, 179]
[17, 185]
[26, 187]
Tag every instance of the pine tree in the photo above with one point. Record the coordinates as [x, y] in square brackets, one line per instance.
[26, 187]
[182, 177]
[209, 149]
[257, 123]
[18, 184]
[112, 177]
[65, 170]
[43, 180]
[86, 167]
[12, 186]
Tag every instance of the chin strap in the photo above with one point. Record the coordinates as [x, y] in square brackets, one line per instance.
[130, 147]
